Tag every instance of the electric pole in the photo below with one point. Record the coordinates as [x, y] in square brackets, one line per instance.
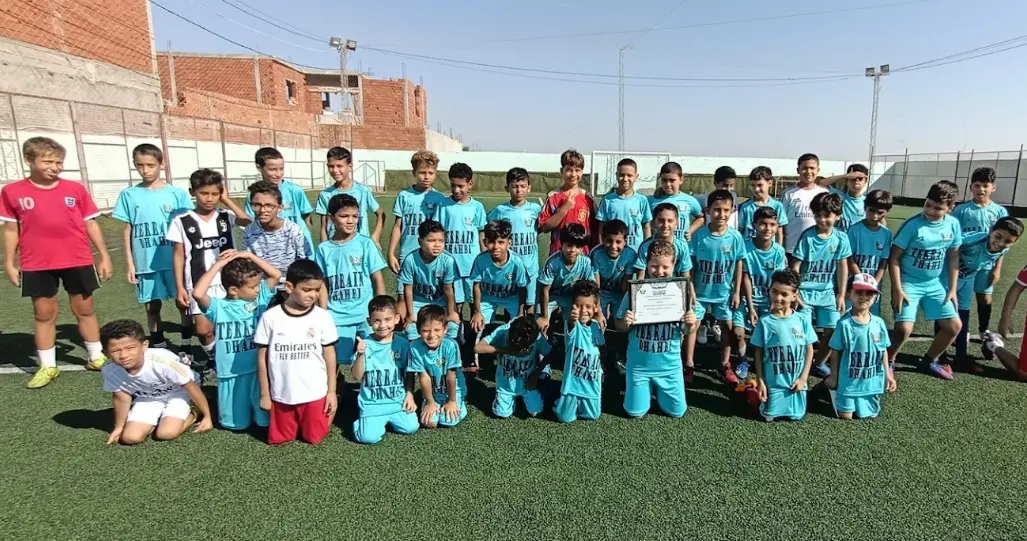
[876, 75]
[344, 46]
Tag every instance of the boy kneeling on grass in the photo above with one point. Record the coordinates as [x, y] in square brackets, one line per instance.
[151, 389]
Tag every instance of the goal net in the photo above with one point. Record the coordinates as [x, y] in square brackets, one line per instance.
[603, 170]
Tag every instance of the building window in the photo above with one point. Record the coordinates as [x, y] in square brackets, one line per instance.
[290, 92]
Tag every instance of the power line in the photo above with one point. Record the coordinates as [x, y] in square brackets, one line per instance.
[257, 14]
[955, 57]
[658, 22]
[254, 30]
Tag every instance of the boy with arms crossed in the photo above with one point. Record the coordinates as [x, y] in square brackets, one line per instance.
[523, 217]
[340, 167]
[49, 222]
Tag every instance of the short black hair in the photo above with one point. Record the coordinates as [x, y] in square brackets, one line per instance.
[498, 229]
[944, 192]
[236, 272]
[627, 162]
[461, 170]
[263, 186]
[584, 288]
[786, 277]
[121, 328]
[666, 207]
[1010, 225]
[523, 333]
[826, 202]
[382, 302]
[857, 168]
[574, 235]
[723, 173]
[761, 172]
[206, 177]
[615, 227]
[302, 270]
[146, 149]
[984, 175]
[879, 199]
[431, 313]
[807, 157]
[671, 168]
[765, 212]
[516, 174]
[719, 195]
[267, 153]
[342, 201]
[428, 227]
[339, 153]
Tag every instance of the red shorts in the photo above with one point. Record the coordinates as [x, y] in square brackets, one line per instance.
[1023, 348]
[308, 421]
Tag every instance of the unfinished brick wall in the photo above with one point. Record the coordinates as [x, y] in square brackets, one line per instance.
[222, 75]
[113, 31]
[205, 105]
[384, 124]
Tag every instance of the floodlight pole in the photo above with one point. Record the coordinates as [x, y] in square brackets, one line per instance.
[876, 75]
[620, 98]
[344, 46]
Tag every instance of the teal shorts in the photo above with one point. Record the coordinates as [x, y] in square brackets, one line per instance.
[721, 311]
[532, 289]
[239, 403]
[930, 297]
[463, 290]
[156, 286]
[440, 420]
[371, 429]
[862, 407]
[669, 388]
[784, 404]
[346, 347]
[570, 408]
[982, 282]
[965, 288]
[504, 403]
[489, 310]
[822, 317]
[740, 317]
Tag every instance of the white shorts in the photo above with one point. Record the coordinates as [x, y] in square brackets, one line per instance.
[150, 411]
[215, 291]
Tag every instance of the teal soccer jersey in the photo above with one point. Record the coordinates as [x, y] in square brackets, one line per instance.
[512, 371]
[427, 279]
[414, 207]
[654, 348]
[295, 205]
[783, 341]
[747, 210]
[861, 349]
[820, 259]
[364, 197]
[583, 369]
[974, 256]
[688, 210]
[524, 220]
[632, 210]
[869, 248]
[925, 244]
[382, 389]
[462, 222]
[436, 363]
[682, 256]
[974, 219]
[235, 321]
[500, 284]
[560, 279]
[612, 273]
[761, 265]
[853, 209]
[150, 212]
[348, 267]
[715, 259]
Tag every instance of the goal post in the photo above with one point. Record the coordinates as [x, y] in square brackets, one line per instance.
[603, 170]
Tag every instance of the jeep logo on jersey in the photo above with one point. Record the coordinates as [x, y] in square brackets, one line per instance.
[210, 243]
[70, 201]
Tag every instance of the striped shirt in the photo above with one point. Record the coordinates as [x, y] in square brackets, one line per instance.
[280, 247]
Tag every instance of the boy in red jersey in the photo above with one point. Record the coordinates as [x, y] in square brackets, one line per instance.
[993, 344]
[50, 222]
[570, 205]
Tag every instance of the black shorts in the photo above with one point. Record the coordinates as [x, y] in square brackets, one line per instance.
[77, 281]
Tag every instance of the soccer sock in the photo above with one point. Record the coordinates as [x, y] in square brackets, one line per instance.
[208, 350]
[187, 337]
[983, 318]
[94, 350]
[47, 357]
[157, 337]
[963, 337]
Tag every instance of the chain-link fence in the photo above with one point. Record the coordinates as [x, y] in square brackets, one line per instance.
[911, 175]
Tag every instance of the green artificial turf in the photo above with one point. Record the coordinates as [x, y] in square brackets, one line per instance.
[943, 462]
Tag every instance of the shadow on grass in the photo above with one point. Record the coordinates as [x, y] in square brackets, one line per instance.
[84, 419]
[20, 348]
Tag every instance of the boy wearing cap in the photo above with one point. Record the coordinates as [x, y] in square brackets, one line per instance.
[860, 372]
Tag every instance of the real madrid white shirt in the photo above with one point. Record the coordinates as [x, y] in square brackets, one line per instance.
[295, 353]
[160, 378]
[796, 202]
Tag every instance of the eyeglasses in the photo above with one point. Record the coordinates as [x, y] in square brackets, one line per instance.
[259, 207]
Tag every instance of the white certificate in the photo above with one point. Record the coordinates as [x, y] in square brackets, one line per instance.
[659, 301]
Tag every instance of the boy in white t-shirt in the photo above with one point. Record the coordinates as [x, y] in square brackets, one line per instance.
[295, 363]
[151, 389]
[796, 200]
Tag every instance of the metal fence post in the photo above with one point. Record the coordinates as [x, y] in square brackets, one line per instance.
[905, 170]
[1016, 178]
[966, 181]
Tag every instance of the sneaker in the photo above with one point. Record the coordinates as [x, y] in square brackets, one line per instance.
[185, 358]
[715, 330]
[472, 366]
[43, 377]
[742, 370]
[821, 370]
[729, 375]
[937, 369]
[96, 364]
[689, 375]
[752, 397]
[947, 367]
[989, 343]
[702, 336]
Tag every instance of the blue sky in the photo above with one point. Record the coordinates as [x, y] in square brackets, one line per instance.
[976, 104]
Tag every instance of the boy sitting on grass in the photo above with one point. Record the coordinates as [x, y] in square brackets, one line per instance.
[151, 389]
[518, 347]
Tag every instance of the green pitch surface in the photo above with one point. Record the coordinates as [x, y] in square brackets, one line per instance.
[945, 461]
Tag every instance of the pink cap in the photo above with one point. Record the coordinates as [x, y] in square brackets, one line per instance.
[865, 282]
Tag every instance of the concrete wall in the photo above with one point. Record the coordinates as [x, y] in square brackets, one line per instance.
[440, 142]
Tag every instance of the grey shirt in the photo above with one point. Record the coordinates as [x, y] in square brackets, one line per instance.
[279, 248]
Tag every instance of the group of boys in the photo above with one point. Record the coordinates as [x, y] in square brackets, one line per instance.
[276, 315]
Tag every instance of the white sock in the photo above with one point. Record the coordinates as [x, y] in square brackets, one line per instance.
[741, 351]
[94, 350]
[47, 357]
[209, 349]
